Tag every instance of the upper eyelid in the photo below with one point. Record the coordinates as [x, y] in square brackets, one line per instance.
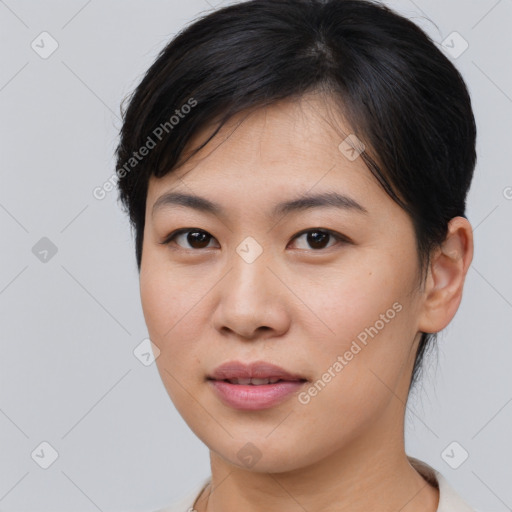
[180, 231]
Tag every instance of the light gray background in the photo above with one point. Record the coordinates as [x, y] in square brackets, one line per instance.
[69, 325]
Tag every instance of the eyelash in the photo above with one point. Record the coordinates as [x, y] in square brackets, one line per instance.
[337, 236]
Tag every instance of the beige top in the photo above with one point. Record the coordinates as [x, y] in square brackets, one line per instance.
[449, 500]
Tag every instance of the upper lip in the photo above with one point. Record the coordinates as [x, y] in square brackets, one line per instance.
[254, 370]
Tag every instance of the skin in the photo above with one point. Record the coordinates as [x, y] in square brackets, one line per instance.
[297, 306]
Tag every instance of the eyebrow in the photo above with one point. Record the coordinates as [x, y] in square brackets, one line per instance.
[305, 202]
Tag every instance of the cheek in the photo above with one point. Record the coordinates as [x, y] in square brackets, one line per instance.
[370, 320]
[356, 375]
[173, 303]
[157, 299]
[169, 315]
[167, 302]
[353, 298]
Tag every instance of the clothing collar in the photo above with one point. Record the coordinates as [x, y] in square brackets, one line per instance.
[449, 499]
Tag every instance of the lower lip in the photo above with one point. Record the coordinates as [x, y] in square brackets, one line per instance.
[251, 397]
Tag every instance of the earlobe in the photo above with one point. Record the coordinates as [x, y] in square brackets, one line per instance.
[447, 272]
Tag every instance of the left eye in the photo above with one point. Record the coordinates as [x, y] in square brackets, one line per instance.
[317, 238]
[199, 239]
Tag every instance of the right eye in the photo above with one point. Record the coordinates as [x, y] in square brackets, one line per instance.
[195, 237]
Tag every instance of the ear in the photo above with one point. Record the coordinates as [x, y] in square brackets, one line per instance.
[446, 275]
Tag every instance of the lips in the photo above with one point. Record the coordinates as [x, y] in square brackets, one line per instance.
[254, 386]
[255, 373]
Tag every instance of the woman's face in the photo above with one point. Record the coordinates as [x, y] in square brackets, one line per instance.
[248, 284]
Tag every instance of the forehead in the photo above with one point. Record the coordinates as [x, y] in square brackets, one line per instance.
[286, 145]
[291, 126]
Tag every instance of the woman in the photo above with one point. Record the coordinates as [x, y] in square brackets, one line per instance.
[296, 173]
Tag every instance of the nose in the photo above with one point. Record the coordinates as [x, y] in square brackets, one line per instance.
[252, 301]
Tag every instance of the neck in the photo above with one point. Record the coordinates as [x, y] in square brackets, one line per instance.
[365, 476]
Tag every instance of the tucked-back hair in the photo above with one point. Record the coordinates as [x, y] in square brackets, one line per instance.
[401, 95]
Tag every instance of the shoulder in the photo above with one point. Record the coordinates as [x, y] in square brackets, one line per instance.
[449, 499]
[186, 502]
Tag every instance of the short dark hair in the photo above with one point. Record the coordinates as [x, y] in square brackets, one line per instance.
[403, 98]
